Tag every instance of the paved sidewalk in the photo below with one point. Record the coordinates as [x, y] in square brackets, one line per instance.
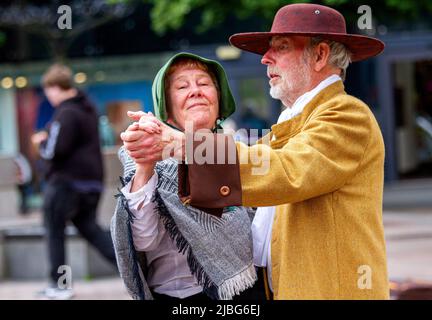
[409, 244]
[100, 289]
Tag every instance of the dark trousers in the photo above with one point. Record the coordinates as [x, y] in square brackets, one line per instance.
[62, 204]
[25, 192]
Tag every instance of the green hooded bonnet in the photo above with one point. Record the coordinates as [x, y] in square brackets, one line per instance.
[226, 101]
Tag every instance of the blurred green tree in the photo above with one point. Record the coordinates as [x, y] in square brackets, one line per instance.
[173, 14]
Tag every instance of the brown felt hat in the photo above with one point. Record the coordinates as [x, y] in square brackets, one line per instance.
[309, 20]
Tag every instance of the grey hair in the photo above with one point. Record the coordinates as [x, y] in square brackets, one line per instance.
[340, 56]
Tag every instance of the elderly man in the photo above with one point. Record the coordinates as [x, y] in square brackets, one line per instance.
[322, 236]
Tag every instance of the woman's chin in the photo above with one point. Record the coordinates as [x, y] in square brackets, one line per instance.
[201, 122]
[199, 125]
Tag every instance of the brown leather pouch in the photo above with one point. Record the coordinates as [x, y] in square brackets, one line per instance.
[211, 187]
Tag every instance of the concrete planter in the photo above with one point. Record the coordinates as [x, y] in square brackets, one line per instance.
[25, 256]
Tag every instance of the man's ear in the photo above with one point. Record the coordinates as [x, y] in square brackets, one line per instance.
[321, 56]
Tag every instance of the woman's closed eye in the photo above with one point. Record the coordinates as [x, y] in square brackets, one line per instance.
[182, 86]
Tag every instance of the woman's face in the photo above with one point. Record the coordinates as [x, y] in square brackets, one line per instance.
[192, 98]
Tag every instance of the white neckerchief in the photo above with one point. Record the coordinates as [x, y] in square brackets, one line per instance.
[263, 221]
[304, 99]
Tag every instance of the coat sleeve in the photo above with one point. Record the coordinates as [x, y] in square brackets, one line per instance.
[62, 136]
[317, 160]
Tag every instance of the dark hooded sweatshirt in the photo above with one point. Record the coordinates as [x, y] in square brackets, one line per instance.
[72, 149]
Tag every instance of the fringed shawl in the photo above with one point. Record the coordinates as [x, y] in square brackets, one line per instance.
[219, 250]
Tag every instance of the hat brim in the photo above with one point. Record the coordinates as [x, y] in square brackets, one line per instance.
[361, 47]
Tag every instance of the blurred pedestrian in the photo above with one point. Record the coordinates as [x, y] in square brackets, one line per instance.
[24, 180]
[74, 178]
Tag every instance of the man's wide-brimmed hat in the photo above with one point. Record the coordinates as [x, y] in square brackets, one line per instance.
[309, 20]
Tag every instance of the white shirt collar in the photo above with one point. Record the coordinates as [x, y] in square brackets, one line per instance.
[304, 99]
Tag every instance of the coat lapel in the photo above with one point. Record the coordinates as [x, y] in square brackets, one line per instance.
[285, 130]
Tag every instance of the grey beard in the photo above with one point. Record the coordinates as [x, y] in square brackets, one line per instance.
[275, 92]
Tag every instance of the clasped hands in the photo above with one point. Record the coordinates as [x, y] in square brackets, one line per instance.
[149, 140]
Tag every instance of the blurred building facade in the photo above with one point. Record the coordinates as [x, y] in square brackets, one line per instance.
[114, 85]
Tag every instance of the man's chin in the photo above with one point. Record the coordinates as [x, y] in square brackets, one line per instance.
[275, 92]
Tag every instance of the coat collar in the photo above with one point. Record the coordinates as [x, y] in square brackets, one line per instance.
[285, 130]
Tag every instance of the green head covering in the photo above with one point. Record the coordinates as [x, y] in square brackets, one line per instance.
[226, 100]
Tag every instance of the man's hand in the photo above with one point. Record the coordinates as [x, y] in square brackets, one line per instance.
[150, 140]
[39, 137]
[142, 143]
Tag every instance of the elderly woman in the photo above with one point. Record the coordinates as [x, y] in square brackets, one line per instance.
[166, 250]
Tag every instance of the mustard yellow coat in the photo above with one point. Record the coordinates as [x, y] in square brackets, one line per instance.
[326, 176]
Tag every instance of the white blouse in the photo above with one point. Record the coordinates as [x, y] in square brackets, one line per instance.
[168, 271]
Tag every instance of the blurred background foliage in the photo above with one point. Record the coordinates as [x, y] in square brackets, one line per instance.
[172, 15]
[28, 28]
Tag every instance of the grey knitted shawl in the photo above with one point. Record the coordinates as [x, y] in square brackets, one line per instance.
[219, 250]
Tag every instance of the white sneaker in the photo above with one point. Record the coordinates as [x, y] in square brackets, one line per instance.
[56, 294]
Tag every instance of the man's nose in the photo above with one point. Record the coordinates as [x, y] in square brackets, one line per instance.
[267, 58]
